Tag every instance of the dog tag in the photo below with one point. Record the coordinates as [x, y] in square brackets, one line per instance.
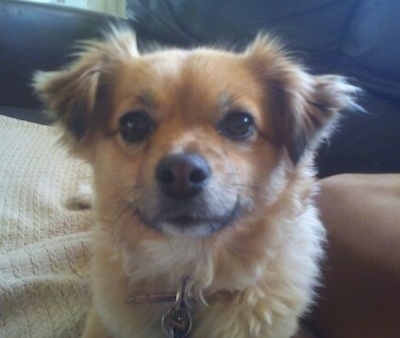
[177, 322]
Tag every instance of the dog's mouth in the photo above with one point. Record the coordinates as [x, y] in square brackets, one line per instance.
[190, 221]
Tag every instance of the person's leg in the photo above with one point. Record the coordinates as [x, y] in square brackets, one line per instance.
[360, 296]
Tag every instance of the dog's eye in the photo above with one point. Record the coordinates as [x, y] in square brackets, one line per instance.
[237, 126]
[135, 126]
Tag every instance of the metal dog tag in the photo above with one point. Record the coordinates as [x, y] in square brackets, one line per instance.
[177, 322]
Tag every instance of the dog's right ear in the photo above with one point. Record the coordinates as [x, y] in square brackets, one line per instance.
[76, 96]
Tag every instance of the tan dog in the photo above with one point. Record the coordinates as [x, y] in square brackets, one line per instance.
[202, 166]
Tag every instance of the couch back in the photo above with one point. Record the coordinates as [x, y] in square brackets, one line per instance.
[38, 37]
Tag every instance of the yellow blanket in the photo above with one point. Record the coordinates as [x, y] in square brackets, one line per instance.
[44, 289]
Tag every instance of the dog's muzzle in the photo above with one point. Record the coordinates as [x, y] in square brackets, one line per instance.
[184, 202]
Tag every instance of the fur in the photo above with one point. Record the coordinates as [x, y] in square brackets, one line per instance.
[258, 272]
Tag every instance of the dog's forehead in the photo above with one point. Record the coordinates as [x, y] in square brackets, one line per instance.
[203, 59]
[178, 79]
[166, 64]
[194, 68]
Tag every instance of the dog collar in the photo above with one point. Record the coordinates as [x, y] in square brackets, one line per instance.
[177, 321]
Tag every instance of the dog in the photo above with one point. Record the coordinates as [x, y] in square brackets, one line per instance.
[203, 175]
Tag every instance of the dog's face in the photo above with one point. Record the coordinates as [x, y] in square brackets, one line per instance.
[190, 142]
[184, 139]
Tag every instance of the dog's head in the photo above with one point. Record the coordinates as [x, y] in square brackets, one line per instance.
[190, 142]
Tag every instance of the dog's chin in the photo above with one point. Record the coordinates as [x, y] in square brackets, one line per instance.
[187, 225]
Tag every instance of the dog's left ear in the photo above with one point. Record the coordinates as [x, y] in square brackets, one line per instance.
[77, 96]
[71, 94]
[304, 107]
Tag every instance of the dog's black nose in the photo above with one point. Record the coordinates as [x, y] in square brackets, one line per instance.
[182, 175]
